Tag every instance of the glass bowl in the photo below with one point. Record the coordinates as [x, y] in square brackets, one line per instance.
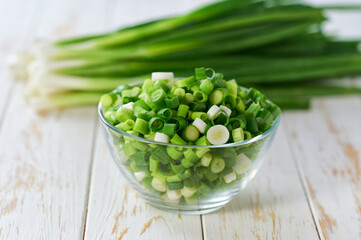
[203, 191]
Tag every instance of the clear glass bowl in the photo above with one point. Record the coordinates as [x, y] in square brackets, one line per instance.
[249, 155]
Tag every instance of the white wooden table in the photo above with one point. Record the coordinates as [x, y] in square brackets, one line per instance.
[57, 180]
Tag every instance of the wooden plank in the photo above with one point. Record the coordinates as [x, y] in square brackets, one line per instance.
[44, 160]
[117, 212]
[327, 144]
[272, 206]
[13, 35]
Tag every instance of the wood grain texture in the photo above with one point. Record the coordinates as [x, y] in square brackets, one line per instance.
[15, 33]
[116, 212]
[272, 206]
[328, 150]
[44, 160]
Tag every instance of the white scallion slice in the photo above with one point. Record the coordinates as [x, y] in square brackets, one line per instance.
[243, 164]
[161, 137]
[230, 177]
[169, 76]
[174, 194]
[200, 124]
[159, 185]
[206, 159]
[212, 111]
[129, 105]
[162, 76]
[139, 176]
[227, 110]
[123, 156]
[217, 134]
[188, 192]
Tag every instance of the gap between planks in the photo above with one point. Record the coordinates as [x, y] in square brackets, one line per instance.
[90, 171]
[301, 177]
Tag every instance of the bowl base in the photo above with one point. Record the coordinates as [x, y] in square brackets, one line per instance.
[190, 210]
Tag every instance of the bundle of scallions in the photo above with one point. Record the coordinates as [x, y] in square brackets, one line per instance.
[279, 49]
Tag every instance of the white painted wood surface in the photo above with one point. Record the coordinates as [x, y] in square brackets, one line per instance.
[57, 180]
[328, 151]
[272, 206]
[44, 170]
[116, 212]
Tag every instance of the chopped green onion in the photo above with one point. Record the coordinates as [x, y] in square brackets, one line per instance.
[172, 102]
[179, 169]
[188, 98]
[238, 122]
[212, 112]
[141, 126]
[198, 106]
[190, 133]
[240, 106]
[140, 103]
[229, 101]
[182, 110]
[210, 176]
[253, 109]
[202, 141]
[188, 192]
[217, 80]
[156, 124]
[187, 163]
[220, 117]
[126, 126]
[175, 112]
[160, 137]
[206, 159]
[180, 93]
[158, 97]
[190, 155]
[267, 117]
[200, 115]
[217, 164]
[174, 178]
[153, 164]
[207, 87]
[141, 113]
[251, 122]
[199, 123]
[164, 113]
[174, 153]
[247, 135]
[237, 134]
[201, 151]
[108, 99]
[161, 155]
[217, 134]
[200, 73]
[178, 140]
[159, 185]
[175, 186]
[200, 96]
[110, 116]
[232, 88]
[186, 82]
[169, 129]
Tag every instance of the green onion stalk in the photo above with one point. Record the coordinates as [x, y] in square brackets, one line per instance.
[278, 46]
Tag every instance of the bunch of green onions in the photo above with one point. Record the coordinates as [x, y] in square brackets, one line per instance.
[279, 49]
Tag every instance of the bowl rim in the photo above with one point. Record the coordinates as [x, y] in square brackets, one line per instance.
[271, 130]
